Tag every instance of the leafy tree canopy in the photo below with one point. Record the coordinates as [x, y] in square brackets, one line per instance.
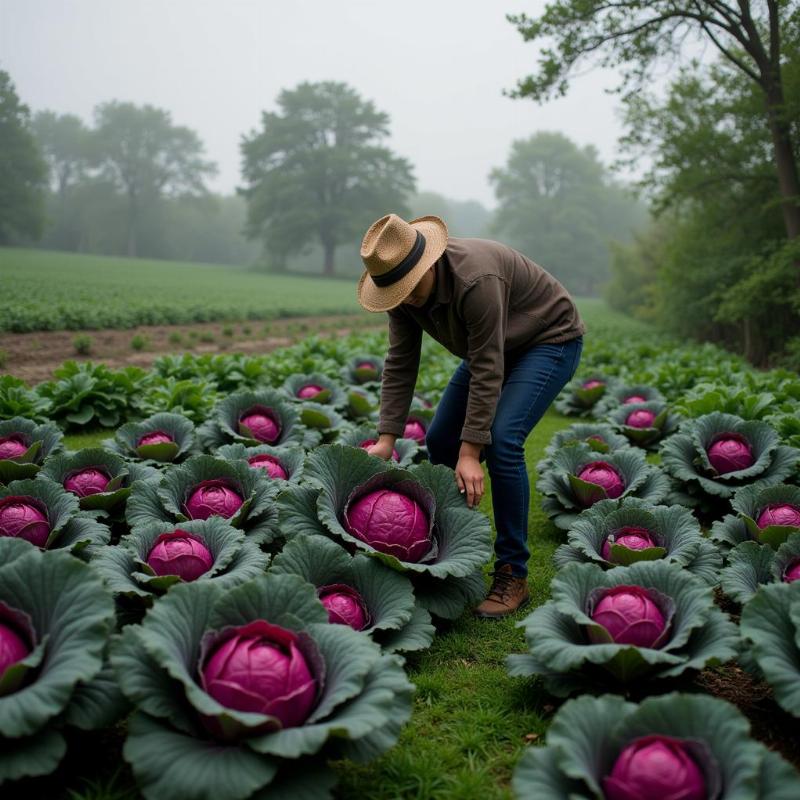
[558, 206]
[317, 171]
[23, 173]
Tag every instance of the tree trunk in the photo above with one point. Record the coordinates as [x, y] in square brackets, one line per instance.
[785, 162]
[329, 249]
[132, 220]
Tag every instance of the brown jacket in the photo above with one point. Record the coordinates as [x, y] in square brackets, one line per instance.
[488, 301]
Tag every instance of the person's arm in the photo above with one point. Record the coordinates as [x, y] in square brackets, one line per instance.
[484, 312]
[399, 377]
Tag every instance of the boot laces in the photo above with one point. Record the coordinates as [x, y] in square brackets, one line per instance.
[501, 585]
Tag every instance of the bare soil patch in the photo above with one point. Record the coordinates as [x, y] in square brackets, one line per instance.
[770, 724]
[34, 356]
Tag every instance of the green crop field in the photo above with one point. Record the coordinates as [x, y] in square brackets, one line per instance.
[66, 291]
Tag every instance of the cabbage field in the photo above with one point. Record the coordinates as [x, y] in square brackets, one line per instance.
[44, 291]
[209, 589]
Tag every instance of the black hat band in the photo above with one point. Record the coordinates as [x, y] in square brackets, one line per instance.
[404, 267]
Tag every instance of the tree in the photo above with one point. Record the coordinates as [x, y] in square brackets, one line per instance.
[66, 144]
[721, 267]
[147, 157]
[317, 171]
[463, 217]
[638, 34]
[23, 174]
[557, 205]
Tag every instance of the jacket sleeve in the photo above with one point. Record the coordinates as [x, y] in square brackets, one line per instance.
[484, 310]
[399, 372]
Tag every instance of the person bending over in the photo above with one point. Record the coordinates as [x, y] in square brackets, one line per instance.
[520, 336]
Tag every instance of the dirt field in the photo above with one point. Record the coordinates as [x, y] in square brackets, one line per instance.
[34, 356]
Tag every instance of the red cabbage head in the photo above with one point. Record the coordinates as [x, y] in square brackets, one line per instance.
[24, 518]
[631, 537]
[783, 514]
[655, 767]
[345, 606]
[179, 553]
[212, 498]
[12, 446]
[87, 481]
[156, 437]
[309, 390]
[730, 452]
[391, 522]
[596, 437]
[367, 443]
[12, 649]
[271, 465]
[634, 398]
[603, 474]
[592, 384]
[630, 616]
[260, 668]
[640, 419]
[792, 572]
[261, 423]
[414, 430]
[366, 365]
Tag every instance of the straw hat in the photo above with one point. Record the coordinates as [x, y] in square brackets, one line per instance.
[397, 254]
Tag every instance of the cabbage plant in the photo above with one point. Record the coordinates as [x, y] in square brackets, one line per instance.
[751, 565]
[276, 463]
[102, 481]
[24, 445]
[156, 556]
[417, 423]
[713, 456]
[163, 438]
[623, 394]
[204, 487]
[360, 592]
[265, 416]
[766, 515]
[600, 436]
[321, 419]
[248, 691]
[622, 533]
[577, 477]
[364, 436]
[616, 628]
[644, 424]
[362, 369]
[316, 387]
[55, 619]
[677, 746]
[414, 520]
[362, 404]
[581, 395]
[770, 626]
[43, 513]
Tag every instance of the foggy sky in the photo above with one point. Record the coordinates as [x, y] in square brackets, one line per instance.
[437, 67]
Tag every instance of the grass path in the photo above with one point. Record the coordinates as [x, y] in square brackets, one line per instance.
[470, 720]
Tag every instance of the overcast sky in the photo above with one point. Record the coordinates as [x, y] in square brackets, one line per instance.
[437, 67]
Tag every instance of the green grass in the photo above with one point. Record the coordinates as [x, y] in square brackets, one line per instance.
[45, 290]
[470, 720]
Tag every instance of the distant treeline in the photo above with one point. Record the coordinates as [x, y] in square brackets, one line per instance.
[314, 176]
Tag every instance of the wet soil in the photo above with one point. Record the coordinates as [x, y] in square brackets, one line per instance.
[34, 356]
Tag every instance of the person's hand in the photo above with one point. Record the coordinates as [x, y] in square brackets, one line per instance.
[469, 477]
[382, 448]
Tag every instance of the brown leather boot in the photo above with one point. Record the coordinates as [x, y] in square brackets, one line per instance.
[507, 595]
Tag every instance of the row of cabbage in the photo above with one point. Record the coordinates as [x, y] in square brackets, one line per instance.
[649, 540]
[246, 588]
[87, 395]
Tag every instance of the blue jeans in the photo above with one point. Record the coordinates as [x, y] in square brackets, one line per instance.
[532, 381]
